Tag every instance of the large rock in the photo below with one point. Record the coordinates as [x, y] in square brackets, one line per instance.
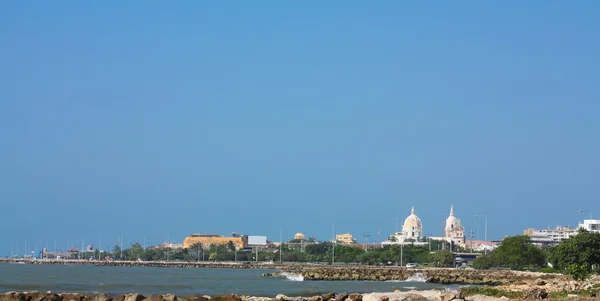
[341, 297]
[98, 297]
[402, 296]
[119, 297]
[328, 296]
[72, 297]
[154, 298]
[37, 296]
[354, 297]
[12, 296]
[198, 298]
[227, 298]
[536, 293]
[135, 297]
[448, 295]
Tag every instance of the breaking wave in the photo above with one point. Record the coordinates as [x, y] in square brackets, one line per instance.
[416, 277]
[292, 276]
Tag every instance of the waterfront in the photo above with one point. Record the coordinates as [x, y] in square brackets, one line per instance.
[180, 281]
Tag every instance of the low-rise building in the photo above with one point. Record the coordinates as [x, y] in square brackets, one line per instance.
[345, 238]
[240, 242]
[550, 237]
[591, 225]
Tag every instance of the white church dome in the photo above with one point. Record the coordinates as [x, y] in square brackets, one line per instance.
[453, 223]
[412, 221]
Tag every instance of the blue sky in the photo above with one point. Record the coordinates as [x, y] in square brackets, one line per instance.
[159, 119]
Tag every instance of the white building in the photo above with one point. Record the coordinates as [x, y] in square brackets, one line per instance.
[455, 232]
[591, 225]
[413, 228]
[550, 236]
[553, 236]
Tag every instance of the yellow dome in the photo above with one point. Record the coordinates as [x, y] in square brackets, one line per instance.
[412, 221]
[299, 235]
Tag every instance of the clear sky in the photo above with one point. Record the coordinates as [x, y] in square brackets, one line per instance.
[159, 119]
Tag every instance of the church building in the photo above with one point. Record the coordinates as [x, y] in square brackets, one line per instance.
[413, 228]
[454, 230]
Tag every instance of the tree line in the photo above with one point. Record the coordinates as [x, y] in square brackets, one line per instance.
[434, 254]
[578, 256]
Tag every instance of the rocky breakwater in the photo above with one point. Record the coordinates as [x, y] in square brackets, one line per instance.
[429, 295]
[433, 275]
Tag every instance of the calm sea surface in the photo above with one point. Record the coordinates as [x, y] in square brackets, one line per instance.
[179, 281]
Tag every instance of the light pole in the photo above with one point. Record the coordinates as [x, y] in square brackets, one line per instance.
[485, 231]
[429, 241]
[280, 239]
[332, 243]
[402, 249]
[396, 219]
[583, 210]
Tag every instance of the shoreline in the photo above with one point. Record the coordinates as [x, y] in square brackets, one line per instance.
[412, 295]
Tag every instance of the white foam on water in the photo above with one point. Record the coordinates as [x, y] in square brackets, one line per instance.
[416, 277]
[292, 276]
[410, 287]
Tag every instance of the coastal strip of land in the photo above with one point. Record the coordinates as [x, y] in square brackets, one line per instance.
[462, 294]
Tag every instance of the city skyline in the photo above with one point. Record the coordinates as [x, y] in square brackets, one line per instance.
[54, 245]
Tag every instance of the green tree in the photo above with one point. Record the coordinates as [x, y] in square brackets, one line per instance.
[579, 255]
[117, 251]
[515, 252]
[231, 246]
[136, 251]
[485, 262]
[442, 258]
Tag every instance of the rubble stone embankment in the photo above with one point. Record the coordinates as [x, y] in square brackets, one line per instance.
[503, 279]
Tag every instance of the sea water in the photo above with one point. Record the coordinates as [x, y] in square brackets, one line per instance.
[183, 282]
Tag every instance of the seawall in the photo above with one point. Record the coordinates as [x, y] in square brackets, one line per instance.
[504, 279]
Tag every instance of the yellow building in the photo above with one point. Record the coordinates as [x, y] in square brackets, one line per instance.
[212, 239]
[345, 238]
[299, 236]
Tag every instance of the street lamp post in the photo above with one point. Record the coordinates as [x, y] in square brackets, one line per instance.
[402, 249]
[485, 231]
[396, 219]
[332, 243]
[280, 240]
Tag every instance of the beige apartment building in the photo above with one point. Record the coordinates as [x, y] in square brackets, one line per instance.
[345, 238]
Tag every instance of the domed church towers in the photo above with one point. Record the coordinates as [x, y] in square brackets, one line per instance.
[413, 228]
[454, 230]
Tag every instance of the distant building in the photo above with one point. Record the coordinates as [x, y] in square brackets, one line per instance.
[299, 236]
[550, 237]
[345, 238]
[481, 245]
[455, 233]
[206, 240]
[591, 225]
[413, 228]
[554, 236]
